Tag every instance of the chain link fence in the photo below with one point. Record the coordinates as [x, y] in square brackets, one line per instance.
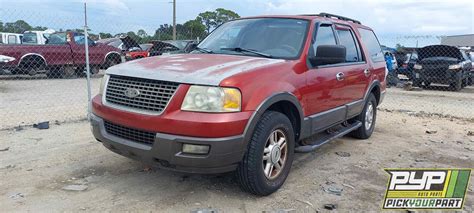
[43, 65]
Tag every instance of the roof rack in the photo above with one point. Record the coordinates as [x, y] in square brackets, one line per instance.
[329, 15]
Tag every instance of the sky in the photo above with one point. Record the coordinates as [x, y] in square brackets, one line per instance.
[395, 21]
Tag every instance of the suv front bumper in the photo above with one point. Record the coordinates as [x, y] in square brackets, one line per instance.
[166, 152]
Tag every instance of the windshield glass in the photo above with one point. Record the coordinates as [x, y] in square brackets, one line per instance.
[57, 38]
[146, 46]
[29, 38]
[278, 37]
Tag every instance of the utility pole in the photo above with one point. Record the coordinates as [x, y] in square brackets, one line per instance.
[174, 19]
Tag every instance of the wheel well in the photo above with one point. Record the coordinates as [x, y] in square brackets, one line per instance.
[115, 57]
[290, 110]
[376, 91]
[32, 61]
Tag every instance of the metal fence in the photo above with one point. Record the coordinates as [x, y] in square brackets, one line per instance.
[43, 74]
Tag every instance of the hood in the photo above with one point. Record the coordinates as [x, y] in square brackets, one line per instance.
[435, 51]
[205, 69]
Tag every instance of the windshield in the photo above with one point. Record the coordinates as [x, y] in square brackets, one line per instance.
[29, 38]
[278, 37]
[179, 44]
[146, 46]
[57, 38]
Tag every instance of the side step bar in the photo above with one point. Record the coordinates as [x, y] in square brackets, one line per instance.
[325, 139]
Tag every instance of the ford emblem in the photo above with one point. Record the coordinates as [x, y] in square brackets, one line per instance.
[132, 93]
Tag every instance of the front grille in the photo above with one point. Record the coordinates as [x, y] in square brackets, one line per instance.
[153, 95]
[135, 135]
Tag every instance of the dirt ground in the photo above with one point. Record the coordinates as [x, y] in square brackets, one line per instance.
[36, 165]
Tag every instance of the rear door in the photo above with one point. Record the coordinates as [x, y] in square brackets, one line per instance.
[355, 69]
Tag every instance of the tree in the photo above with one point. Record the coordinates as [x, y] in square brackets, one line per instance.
[142, 34]
[1, 26]
[194, 29]
[208, 19]
[212, 19]
[105, 35]
[223, 15]
[19, 26]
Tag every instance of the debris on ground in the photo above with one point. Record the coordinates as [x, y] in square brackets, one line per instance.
[306, 202]
[333, 189]
[420, 160]
[330, 206]
[4, 149]
[343, 154]
[204, 211]
[16, 196]
[408, 86]
[470, 133]
[42, 125]
[349, 186]
[431, 132]
[75, 187]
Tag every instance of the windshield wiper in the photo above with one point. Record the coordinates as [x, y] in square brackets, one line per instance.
[204, 50]
[240, 49]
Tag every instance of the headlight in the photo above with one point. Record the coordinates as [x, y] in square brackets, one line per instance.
[455, 66]
[212, 99]
[102, 84]
[417, 67]
[6, 59]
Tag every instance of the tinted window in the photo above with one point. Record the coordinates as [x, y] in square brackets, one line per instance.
[324, 36]
[346, 38]
[372, 45]
[58, 38]
[30, 38]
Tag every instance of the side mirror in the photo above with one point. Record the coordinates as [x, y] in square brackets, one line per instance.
[328, 54]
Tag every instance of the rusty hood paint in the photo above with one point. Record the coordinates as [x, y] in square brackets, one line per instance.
[205, 69]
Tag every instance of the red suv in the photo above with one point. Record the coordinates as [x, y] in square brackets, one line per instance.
[253, 93]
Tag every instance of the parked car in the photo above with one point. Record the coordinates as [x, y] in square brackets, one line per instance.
[444, 65]
[36, 37]
[407, 67]
[10, 38]
[137, 53]
[62, 56]
[255, 91]
[172, 47]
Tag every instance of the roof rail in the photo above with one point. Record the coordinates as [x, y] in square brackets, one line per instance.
[329, 15]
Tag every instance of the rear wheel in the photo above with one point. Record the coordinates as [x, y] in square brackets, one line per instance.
[269, 155]
[367, 118]
[417, 82]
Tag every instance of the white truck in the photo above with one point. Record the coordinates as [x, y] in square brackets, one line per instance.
[10, 38]
[37, 37]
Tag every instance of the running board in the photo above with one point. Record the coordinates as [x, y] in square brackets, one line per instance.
[327, 138]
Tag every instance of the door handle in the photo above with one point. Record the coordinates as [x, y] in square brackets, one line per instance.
[340, 76]
[367, 72]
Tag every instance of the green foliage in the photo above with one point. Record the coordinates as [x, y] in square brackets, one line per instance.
[212, 19]
[105, 35]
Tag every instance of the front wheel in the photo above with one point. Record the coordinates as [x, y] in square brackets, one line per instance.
[367, 118]
[269, 155]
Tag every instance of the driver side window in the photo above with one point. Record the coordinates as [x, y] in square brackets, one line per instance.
[324, 36]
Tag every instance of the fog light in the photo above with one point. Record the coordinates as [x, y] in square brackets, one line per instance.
[195, 149]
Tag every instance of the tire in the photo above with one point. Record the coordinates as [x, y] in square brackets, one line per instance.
[417, 83]
[112, 60]
[367, 128]
[427, 83]
[68, 72]
[251, 171]
[457, 84]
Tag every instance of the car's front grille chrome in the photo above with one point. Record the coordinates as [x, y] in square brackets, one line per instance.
[138, 94]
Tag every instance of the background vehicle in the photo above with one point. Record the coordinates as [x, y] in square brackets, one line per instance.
[444, 65]
[36, 37]
[137, 53]
[394, 59]
[255, 91]
[32, 59]
[406, 67]
[10, 38]
[172, 47]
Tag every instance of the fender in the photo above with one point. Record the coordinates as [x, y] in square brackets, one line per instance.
[372, 85]
[283, 96]
[32, 54]
[111, 52]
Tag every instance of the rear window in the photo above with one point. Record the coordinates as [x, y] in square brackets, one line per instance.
[372, 44]
[30, 38]
[347, 40]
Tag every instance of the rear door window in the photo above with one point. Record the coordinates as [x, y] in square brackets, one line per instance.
[372, 44]
[12, 39]
[346, 38]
